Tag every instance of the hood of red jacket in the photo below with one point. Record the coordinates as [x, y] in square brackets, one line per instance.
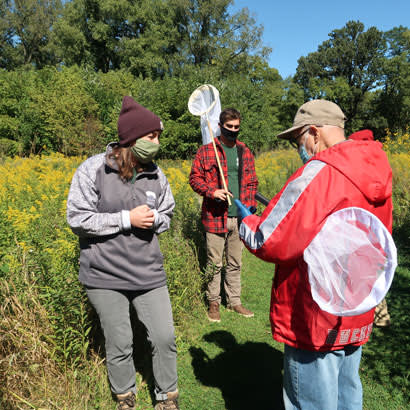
[362, 135]
[365, 164]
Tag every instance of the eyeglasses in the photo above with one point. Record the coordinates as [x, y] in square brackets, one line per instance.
[293, 140]
[230, 126]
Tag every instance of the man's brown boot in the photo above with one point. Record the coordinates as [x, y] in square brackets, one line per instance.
[213, 312]
[241, 310]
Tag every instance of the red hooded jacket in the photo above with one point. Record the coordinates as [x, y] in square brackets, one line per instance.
[348, 174]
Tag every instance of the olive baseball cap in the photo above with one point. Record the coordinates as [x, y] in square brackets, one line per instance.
[316, 112]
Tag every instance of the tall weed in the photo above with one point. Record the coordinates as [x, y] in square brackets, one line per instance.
[46, 321]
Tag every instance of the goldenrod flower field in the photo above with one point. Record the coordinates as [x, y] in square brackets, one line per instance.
[33, 195]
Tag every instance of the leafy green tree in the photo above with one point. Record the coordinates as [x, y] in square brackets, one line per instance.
[202, 22]
[110, 34]
[69, 36]
[153, 47]
[346, 67]
[257, 97]
[211, 36]
[7, 54]
[154, 38]
[87, 33]
[169, 99]
[398, 40]
[12, 87]
[393, 102]
[291, 99]
[26, 25]
[107, 90]
[49, 110]
[20, 120]
[65, 112]
[240, 48]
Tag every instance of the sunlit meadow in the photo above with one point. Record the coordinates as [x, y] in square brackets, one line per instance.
[48, 356]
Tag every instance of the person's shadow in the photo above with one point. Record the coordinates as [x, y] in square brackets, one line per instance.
[249, 375]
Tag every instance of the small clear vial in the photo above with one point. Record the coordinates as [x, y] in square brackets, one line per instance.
[151, 199]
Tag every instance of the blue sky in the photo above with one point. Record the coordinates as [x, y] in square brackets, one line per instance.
[294, 28]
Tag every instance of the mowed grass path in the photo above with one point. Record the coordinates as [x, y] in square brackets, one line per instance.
[237, 365]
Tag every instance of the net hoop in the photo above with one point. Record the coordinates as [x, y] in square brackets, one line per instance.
[351, 262]
[203, 100]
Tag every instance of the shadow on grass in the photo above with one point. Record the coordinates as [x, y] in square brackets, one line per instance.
[386, 358]
[249, 375]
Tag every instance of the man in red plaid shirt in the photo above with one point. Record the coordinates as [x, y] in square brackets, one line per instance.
[220, 219]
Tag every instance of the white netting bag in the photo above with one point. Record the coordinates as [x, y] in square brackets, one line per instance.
[351, 262]
[204, 102]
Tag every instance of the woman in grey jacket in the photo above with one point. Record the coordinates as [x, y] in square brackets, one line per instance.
[118, 202]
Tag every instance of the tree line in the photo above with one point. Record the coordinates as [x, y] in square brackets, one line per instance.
[65, 65]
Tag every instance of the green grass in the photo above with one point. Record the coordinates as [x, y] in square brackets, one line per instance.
[237, 365]
[234, 364]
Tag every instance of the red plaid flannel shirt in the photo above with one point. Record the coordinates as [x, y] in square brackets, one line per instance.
[205, 179]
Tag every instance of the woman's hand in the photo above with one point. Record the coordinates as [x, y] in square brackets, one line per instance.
[142, 217]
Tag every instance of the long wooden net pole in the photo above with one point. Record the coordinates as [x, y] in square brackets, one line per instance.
[219, 162]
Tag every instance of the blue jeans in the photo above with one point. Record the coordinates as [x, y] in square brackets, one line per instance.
[322, 380]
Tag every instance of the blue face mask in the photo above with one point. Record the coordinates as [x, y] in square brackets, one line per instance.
[304, 156]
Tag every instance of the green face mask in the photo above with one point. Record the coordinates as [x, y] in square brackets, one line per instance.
[144, 150]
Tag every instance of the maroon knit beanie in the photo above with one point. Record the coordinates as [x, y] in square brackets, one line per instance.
[135, 121]
[363, 135]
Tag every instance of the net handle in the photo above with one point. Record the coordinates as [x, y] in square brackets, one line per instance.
[219, 162]
[205, 113]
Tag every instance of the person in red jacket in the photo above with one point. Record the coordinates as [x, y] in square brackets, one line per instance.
[220, 219]
[322, 350]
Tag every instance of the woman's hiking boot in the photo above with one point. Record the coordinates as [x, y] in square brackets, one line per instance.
[171, 403]
[126, 401]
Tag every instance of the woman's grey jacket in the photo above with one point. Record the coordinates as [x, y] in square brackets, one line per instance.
[114, 254]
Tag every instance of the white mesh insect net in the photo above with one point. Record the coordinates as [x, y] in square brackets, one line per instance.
[204, 102]
[351, 262]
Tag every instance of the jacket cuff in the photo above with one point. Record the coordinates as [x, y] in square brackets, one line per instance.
[125, 220]
[156, 218]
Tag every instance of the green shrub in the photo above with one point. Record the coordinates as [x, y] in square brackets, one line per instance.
[9, 148]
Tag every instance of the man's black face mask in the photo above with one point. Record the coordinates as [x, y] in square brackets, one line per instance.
[228, 134]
